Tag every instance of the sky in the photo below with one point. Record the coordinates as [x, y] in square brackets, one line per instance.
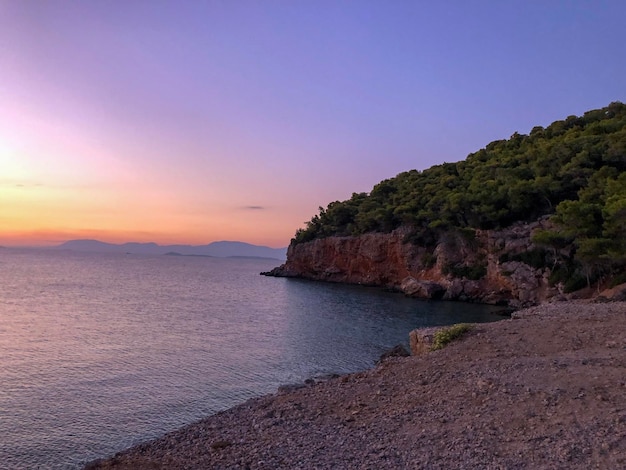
[198, 121]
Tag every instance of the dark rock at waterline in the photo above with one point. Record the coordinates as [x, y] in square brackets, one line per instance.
[281, 271]
[422, 289]
[397, 351]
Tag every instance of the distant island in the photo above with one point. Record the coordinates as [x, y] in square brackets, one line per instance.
[221, 249]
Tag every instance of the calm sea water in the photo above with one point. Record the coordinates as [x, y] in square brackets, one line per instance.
[100, 352]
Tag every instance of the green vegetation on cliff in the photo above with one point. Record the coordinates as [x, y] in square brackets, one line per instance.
[573, 170]
[444, 336]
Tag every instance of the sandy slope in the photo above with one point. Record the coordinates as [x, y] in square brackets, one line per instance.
[547, 390]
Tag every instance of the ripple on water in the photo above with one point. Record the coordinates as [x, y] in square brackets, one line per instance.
[99, 352]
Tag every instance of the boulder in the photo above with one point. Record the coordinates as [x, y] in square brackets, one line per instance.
[421, 340]
[397, 351]
[455, 290]
[617, 293]
[422, 289]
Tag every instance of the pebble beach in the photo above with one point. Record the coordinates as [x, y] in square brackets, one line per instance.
[544, 389]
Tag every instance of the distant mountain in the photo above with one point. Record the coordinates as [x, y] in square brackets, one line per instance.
[221, 249]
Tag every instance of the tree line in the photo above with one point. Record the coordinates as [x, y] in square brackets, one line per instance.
[574, 170]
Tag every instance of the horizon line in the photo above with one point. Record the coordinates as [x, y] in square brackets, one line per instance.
[57, 243]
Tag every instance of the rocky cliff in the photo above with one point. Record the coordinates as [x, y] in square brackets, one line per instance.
[479, 266]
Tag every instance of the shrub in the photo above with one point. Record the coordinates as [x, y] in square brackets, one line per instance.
[618, 279]
[560, 273]
[426, 238]
[448, 334]
[469, 234]
[429, 260]
[473, 273]
[574, 283]
[538, 258]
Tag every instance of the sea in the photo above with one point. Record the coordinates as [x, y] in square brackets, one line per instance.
[99, 352]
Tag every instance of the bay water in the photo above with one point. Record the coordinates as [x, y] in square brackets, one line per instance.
[99, 352]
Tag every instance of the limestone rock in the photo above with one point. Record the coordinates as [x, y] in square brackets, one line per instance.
[455, 290]
[387, 260]
[421, 340]
[422, 289]
[617, 293]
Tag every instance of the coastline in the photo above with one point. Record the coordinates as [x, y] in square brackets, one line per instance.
[544, 389]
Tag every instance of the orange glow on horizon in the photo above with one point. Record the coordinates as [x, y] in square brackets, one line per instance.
[43, 210]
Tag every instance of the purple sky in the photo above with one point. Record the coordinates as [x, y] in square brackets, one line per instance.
[189, 121]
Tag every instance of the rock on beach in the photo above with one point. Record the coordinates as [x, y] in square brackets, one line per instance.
[545, 389]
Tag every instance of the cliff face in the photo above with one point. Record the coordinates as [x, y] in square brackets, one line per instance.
[469, 266]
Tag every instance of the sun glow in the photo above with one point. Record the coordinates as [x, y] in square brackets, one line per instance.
[212, 120]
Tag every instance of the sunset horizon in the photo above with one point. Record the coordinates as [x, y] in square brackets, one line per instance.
[49, 240]
[206, 121]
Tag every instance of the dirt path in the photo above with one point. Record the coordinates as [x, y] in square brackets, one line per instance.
[546, 390]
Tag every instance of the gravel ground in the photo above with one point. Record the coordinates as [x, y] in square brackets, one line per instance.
[544, 390]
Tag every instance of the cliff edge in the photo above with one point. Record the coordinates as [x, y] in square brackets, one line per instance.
[488, 266]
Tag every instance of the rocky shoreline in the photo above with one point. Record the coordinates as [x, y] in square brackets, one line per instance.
[545, 389]
[484, 266]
